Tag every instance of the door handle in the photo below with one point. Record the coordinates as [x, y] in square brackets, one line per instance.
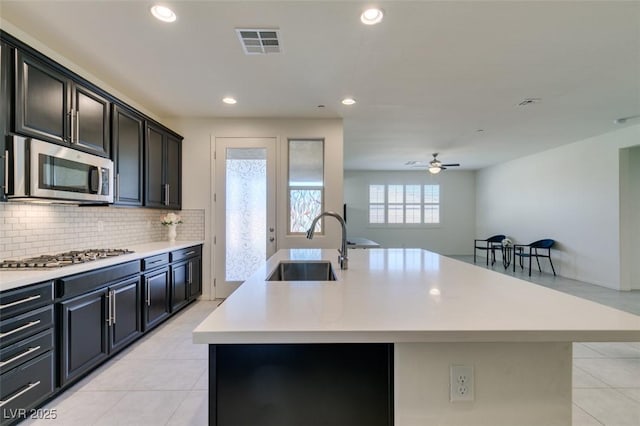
[113, 307]
[148, 292]
[272, 239]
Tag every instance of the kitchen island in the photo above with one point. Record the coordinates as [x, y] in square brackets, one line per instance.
[433, 312]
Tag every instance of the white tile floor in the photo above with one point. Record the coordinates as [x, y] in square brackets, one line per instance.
[162, 380]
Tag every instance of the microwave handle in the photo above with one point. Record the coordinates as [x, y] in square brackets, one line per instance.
[95, 180]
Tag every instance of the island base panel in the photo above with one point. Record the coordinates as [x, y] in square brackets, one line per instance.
[524, 384]
[301, 384]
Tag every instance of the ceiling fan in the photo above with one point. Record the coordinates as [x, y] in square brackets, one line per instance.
[434, 166]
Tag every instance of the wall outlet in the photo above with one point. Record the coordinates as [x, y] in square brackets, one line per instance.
[461, 383]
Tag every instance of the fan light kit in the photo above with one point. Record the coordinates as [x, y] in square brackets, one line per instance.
[348, 101]
[163, 13]
[372, 16]
[436, 166]
[229, 100]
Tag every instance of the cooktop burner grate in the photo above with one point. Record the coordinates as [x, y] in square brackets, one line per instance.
[62, 259]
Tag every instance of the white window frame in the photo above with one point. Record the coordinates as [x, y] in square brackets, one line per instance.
[421, 205]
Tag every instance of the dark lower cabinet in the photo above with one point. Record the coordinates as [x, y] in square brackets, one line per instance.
[156, 305]
[301, 384]
[97, 324]
[186, 282]
[126, 313]
[84, 334]
[180, 285]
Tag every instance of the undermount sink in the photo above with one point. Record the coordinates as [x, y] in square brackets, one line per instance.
[303, 271]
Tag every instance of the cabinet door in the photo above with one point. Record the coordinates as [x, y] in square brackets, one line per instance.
[156, 303]
[126, 315]
[174, 171]
[5, 84]
[195, 281]
[84, 334]
[128, 151]
[154, 168]
[179, 285]
[91, 121]
[41, 100]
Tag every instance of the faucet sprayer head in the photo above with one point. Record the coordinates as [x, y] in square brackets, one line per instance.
[310, 232]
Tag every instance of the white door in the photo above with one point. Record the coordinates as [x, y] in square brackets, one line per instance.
[245, 209]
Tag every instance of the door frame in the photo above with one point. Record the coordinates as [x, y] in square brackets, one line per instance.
[215, 220]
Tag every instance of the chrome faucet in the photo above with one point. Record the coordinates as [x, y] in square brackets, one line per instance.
[343, 259]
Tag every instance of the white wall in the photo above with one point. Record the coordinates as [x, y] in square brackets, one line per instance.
[455, 233]
[570, 194]
[630, 218]
[198, 172]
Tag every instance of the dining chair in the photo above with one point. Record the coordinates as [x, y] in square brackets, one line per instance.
[537, 249]
[490, 244]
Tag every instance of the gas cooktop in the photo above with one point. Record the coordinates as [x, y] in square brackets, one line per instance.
[61, 259]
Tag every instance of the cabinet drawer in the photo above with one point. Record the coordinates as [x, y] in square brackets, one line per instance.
[25, 350]
[21, 326]
[186, 253]
[156, 261]
[26, 386]
[76, 285]
[14, 302]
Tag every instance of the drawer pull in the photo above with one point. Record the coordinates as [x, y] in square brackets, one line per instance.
[190, 253]
[23, 354]
[24, 327]
[156, 261]
[21, 301]
[22, 392]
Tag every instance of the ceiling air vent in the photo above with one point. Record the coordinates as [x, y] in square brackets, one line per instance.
[259, 42]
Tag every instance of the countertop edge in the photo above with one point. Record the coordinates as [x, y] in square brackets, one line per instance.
[10, 280]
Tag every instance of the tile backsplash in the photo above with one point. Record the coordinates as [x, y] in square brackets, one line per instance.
[33, 229]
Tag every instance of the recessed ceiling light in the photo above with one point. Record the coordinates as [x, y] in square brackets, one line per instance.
[371, 16]
[163, 13]
[348, 101]
[229, 100]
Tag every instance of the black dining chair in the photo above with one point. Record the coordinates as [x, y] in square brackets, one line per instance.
[491, 244]
[537, 249]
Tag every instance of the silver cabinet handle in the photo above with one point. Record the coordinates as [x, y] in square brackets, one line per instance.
[109, 309]
[22, 392]
[23, 354]
[190, 253]
[148, 292]
[71, 126]
[113, 306]
[21, 301]
[117, 179]
[24, 327]
[190, 273]
[77, 126]
[6, 172]
[166, 194]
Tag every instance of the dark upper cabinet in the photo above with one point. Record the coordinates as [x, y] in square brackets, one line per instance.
[163, 168]
[5, 99]
[51, 106]
[91, 121]
[42, 101]
[128, 156]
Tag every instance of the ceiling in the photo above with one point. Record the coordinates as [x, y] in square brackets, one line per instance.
[432, 77]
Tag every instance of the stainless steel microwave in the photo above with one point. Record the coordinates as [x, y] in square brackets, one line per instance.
[42, 171]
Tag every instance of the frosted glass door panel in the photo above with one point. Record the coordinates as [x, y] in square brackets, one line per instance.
[245, 209]
[246, 212]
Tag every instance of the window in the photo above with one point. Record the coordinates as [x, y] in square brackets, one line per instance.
[404, 204]
[306, 184]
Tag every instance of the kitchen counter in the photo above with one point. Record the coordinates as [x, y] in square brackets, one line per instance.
[10, 279]
[407, 295]
[312, 347]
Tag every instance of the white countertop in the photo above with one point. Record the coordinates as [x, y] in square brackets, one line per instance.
[10, 279]
[406, 295]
